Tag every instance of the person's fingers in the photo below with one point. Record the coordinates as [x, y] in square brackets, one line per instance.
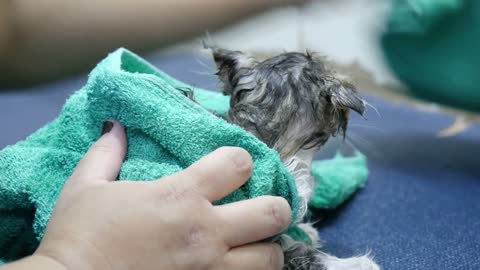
[103, 160]
[261, 256]
[215, 175]
[254, 219]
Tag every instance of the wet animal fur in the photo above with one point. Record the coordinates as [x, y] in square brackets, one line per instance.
[294, 102]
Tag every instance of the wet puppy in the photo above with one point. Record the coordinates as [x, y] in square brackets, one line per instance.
[294, 103]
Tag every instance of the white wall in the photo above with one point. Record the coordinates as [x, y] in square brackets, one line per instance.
[344, 30]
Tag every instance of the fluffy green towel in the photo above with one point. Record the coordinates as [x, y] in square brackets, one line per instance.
[166, 133]
[337, 179]
[432, 47]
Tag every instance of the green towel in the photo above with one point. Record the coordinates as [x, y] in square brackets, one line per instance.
[337, 179]
[432, 47]
[166, 132]
[416, 17]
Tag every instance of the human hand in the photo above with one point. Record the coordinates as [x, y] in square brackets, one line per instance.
[99, 223]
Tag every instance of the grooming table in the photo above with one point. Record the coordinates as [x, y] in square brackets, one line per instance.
[419, 210]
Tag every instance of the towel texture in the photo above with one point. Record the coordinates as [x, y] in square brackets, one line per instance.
[337, 179]
[166, 132]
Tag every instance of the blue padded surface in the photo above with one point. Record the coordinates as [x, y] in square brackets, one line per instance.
[419, 210]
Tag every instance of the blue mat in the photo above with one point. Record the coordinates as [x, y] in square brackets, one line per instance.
[419, 210]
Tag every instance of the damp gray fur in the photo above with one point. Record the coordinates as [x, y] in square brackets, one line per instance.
[291, 101]
[294, 102]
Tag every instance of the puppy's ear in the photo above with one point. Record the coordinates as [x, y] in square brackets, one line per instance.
[346, 96]
[231, 65]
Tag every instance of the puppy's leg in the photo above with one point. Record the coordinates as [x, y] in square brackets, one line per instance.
[353, 263]
[300, 256]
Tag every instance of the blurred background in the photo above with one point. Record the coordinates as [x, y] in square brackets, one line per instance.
[415, 61]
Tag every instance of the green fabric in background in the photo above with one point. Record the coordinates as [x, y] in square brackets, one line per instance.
[166, 132]
[418, 16]
[432, 47]
[337, 179]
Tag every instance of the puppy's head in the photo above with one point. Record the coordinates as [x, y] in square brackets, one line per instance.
[293, 101]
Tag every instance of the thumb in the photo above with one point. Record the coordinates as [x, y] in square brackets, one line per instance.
[103, 160]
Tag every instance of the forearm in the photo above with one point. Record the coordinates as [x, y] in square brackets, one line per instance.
[34, 262]
[60, 37]
[5, 29]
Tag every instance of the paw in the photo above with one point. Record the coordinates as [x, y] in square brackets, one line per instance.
[355, 263]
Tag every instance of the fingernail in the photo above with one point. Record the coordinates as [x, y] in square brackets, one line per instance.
[107, 127]
[242, 159]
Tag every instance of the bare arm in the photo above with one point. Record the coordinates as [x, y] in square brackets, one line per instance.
[49, 38]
